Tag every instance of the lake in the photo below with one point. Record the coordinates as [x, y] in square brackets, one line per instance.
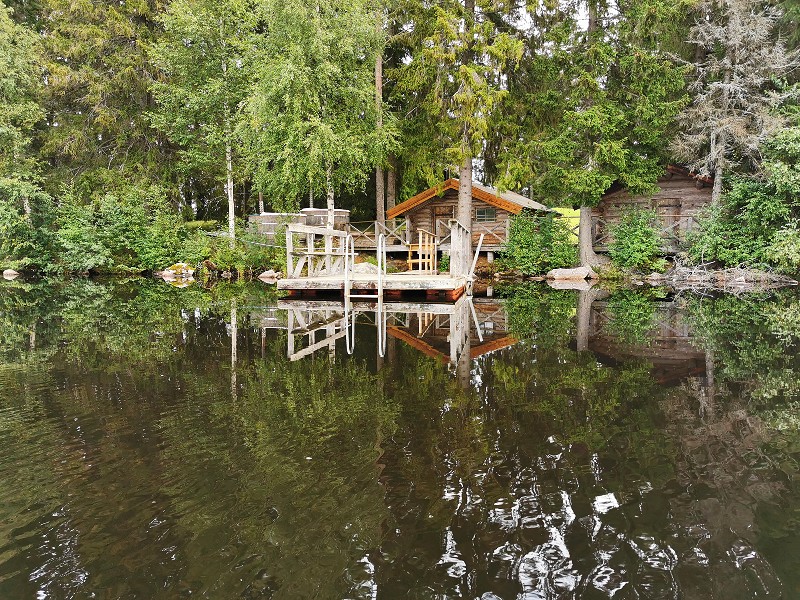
[163, 442]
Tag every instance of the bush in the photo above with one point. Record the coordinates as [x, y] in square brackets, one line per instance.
[537, 244]
[25, 240]
[249, 254]
[784, 251]
[739, 230]
[637, 243]
[444, 263]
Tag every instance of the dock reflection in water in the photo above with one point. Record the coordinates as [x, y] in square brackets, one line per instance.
[161, 443]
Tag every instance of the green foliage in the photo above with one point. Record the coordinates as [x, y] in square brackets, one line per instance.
[206, 58]
[249, 255]
[741, 227]
[19, 108]
[537, 244]
[784, 251]
[311, 108]
[632, 315]
[603, 106]
[25, 216]
[444, 263]
[133, 232]
[636, 241]
[537, 312]
[97, 96]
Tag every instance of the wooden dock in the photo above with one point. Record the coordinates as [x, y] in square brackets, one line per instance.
[395, 285]
[321, 261]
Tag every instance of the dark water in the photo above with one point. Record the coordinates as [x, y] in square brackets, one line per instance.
[557, 445]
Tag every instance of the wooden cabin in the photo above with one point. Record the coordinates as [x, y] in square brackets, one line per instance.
[430, 211]
[680, 198]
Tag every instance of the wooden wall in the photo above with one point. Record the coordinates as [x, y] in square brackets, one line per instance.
[422, 217]
[677, 204]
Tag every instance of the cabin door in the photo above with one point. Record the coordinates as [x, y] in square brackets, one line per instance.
[441, 215]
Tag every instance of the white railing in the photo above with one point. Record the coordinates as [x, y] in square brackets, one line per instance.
[322, 251]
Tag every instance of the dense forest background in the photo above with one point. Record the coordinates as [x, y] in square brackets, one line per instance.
[126, 128]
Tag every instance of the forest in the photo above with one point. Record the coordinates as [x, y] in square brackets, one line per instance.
[130, 130]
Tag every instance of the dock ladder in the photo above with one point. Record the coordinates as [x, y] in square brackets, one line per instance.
[349, 313]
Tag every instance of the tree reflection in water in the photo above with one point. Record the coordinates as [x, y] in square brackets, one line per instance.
[160, 443]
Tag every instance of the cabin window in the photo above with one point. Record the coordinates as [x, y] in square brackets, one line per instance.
[485, 215]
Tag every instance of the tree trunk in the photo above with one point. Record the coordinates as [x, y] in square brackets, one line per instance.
[716, 192]
[231, 204]
[234, 353]
[584, 316]
[260, 202]
[329, 191]
[310, 198]
[464, 208]
[588, 257]
[380, 202]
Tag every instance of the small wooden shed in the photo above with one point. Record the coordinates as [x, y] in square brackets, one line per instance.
[430, 211]
[680, 198]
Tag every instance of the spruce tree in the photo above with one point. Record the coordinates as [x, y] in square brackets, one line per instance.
[734, 88]
[97, 94]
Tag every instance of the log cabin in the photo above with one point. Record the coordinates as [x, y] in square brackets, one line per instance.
[679, 199]
[430, 210]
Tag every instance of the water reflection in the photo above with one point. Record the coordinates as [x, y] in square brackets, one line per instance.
[161, 442]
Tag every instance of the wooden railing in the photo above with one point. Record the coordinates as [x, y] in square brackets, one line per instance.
[318, 250]
[460, 249]
[671, 234]
[495, 234]
[426, 249]
[365, 233]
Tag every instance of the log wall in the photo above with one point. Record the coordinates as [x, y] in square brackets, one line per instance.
[677, 203]
[444, 208]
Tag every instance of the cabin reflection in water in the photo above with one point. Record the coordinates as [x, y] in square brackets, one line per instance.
[455, 333]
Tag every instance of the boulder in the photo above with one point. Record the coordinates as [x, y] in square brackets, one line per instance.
[575, 274]
[179, 270]
[10, 274]
[270, 276]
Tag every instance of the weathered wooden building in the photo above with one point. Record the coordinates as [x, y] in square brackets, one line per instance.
[431, 210]
[680, 198]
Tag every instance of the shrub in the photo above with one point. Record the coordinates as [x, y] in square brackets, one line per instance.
[784, 251]
[637, 243]
[740, 228]
[444, 263]
[25, 240]
[537, 244]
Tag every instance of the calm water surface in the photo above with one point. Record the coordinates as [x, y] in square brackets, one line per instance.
[164, 443]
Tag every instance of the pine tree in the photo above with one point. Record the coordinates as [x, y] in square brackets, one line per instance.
[451, 84]
[20, 84]
[605, 98]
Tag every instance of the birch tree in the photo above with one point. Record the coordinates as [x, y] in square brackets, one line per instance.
[311, 119]
[205, 59]
[734, 89]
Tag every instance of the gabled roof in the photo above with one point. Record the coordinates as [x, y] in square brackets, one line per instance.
[513, 203]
